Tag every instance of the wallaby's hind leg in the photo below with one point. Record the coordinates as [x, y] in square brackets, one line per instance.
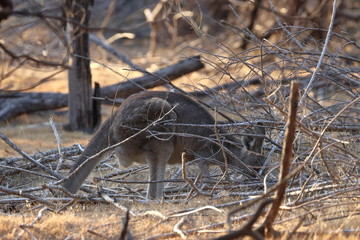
[157, 155]
[203, 165]
[206, 157]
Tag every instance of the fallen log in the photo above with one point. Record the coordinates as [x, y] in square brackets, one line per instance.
[14, 104]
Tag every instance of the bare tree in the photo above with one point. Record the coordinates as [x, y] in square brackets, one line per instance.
[80, 89]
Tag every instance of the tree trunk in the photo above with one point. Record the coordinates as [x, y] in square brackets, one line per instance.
[80, 89]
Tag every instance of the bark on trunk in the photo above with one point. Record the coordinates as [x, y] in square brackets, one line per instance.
[80, 89]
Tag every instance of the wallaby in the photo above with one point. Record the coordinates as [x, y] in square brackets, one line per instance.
[155, 128]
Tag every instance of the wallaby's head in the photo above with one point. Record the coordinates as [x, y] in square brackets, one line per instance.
[253, 147]
[254, 143]
[248, 150]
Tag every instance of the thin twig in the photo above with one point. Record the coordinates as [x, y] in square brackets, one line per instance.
[186, 179]
[327, 39]
[58, 141]
[38, 217]
[177, 227]
[246, 229]
[26, 156]
[26, 195]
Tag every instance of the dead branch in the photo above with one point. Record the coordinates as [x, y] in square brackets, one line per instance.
[17, 164]
[186, 179]
[177, 228]
[286, 156]
[30, 58]
[38, 218]
[58, 141]
[113, 51]
[246, 230]
[12, 105]
[314, 75]
[29, 158]
[26, 195]
[115, 204]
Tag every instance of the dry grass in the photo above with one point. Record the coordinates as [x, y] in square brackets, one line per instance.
[88, 220]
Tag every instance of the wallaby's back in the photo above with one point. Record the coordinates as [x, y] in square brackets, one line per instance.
[155, 128]
[135, 114]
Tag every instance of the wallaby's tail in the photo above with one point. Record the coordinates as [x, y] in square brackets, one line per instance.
[83, 167]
